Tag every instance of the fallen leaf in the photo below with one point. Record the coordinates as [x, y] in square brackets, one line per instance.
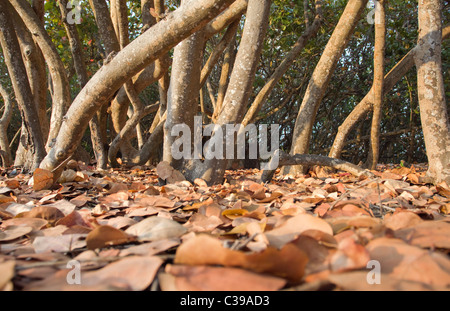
[130, 273]
[14, 232]
[42, 179]
[294, 226]
[408, 262]
[289, 262]
[427, 234]
[402, 220]
[35, 223]
[155, 228]
[73, 219]
[49, 213]
[103, 236]
[6, 274]
[205, 278]
[168, 173]
[61, 243]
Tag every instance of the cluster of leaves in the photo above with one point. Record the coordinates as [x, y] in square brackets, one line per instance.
[141, 229]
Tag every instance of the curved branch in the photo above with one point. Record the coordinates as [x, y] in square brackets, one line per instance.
[137, 55]
[61, 94]
[281, 159]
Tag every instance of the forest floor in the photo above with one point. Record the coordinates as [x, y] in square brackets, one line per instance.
[123, 230]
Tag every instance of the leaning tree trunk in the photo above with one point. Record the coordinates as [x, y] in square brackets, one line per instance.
[363, 107]
[239, 87]
[321, 78]
[141, 52]
[21, 85]
[378, 82]
[430, 84]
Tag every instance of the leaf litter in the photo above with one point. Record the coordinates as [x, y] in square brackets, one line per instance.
[147, 228]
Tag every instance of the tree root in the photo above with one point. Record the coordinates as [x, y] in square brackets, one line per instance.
[310, 160]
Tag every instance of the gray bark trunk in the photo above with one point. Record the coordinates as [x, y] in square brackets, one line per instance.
[430, 84]
[321, 78]
[141, 52]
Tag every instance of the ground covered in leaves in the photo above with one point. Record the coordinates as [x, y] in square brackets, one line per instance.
[146, 229]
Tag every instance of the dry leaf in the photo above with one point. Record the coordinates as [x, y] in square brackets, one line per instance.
[35, 223]
[168, 173]
[61, 243]
[130, 273]
[156, 228]
[73, 219]
[49, 213]
[407, 262]
[204, 278]
[104, 236]
[402, 220]
[294, 226]
[42, 179]
[6, 274]
[289, 262]
[14, 232]
[427, 234]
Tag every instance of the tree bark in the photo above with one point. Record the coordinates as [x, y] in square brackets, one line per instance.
[4, 122]
[142, 51]
[61, 92]
[182, 104]
[321, 78]
[241, 82]
[378, 82]
[430, 84]
[311, 160]
[19, 79]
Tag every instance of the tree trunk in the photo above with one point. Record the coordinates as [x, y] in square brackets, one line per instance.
[4, 122]
[61, 92]
[321, 78]
[142, 51]
[182, 104]
[241, 82]
[378, 82]
[19, 79]
[430, 84]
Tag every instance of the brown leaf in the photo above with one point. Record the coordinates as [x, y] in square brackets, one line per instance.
[168, 173]
[205, 278]
[60, 243]
[42, 179]
[289, 262]
[14, 232]
[402, 220]
[104, 236]
[73, 219]
[156, 228]
[35, 223]
[6, 274]
[49, 213]
[427, 234]
[349, 256]
[294, 226]
[407, 262]
[443, 189]
[272, 197]
[131, 273]
[200, 182]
